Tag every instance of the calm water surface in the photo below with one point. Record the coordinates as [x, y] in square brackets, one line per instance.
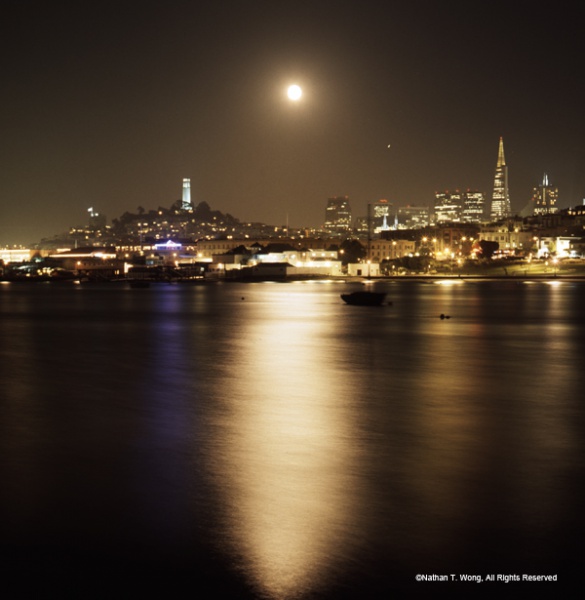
[268, 441]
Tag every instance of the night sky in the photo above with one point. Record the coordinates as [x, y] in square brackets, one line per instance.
[110, 104]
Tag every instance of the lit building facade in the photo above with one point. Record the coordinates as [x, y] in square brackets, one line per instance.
[544, 198]
[391, 249]
[381, 215]
[459, 207]
[186, 203]
[338, 215]
[15, 255]
[472, 207]
[511, 240]
[560, 247]
[209, 248]
[448, 207]
[501, 208]
[413, 217]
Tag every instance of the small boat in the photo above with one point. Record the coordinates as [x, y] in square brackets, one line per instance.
[364, 298]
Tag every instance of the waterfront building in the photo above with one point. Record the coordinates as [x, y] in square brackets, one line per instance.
[208, 248]
[559, 247]
[171, 253]
[338, 215]
[501, 207]
[97, 262]
[391, 249]
[288, 262]
[363, 269]
[186, 203]
[15, 255]
[511, 240]
[544, 198]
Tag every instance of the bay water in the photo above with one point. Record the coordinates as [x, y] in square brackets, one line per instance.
[268, 441]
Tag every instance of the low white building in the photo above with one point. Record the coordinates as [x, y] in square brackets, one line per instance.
[363, 269]
[15, 255]
[299, 262]
[561, 247]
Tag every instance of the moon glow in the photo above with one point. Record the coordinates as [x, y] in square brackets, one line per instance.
[294, 92]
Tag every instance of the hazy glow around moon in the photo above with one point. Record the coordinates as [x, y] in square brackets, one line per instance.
[294, 92]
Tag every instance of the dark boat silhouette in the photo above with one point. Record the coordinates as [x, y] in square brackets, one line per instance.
[364, 298]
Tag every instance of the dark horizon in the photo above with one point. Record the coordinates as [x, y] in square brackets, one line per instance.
[109, 107]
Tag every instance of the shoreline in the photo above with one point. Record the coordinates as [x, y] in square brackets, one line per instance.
[333, 279]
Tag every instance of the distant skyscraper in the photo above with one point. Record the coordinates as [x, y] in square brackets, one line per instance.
[544, 197]
[186, 205]
[459, 207]
[413, 217]
[501, 207]
[338, 215]
[448, 207]
[472, 209]
[381, 217]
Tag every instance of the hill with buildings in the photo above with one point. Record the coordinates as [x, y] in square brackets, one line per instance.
[154, 225]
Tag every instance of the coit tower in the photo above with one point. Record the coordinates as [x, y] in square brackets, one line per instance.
[186, 205]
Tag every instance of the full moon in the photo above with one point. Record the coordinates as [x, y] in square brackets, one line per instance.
[294, 92]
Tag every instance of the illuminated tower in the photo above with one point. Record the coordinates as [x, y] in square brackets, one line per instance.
[545, 198]
[186, 205]
[501, 198]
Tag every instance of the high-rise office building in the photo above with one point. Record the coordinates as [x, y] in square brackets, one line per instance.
[544, 198]
[413, 217]
[381, 216]
[448, 207]
[338, 215]
[459, 207]
[472, 207]
[186, 204]
[501, 207]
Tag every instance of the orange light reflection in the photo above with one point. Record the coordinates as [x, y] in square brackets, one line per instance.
[283, 455]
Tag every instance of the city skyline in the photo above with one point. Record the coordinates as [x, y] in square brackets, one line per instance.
[110, 108]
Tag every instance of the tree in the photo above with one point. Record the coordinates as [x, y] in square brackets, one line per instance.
[203, 211]
[239, 250]
[487, 249]
[351, 252]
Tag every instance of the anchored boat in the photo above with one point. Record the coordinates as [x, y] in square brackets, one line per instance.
[364, 298]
